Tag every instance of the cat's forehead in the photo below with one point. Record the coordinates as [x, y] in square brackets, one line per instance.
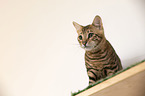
[86, 28]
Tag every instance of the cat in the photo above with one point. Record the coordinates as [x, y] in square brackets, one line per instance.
[101, 59]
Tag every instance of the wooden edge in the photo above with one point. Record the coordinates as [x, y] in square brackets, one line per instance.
[128, 73]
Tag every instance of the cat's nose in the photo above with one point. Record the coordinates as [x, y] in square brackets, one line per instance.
[84, 43]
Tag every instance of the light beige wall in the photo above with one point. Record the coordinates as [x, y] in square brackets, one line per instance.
[39, 53]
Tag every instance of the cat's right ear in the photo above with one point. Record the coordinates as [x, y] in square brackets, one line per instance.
[77, 26]
[98, 22]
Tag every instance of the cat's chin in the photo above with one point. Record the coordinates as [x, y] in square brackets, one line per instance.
[87, 48]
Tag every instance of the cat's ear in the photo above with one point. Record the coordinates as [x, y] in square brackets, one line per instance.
[77, 26]
[97, 22]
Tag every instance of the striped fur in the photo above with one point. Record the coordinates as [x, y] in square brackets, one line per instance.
[101, 59]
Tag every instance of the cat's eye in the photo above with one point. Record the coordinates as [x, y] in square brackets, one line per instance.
[80, 37]
[90, 35]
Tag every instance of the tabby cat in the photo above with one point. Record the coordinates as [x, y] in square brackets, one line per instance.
[101, 59]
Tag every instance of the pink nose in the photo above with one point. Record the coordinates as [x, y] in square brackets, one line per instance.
[84, 43]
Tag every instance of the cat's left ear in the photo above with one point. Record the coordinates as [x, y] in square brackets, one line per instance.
[98, 22]
[77, 26]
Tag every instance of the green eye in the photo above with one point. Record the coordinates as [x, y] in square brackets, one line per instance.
[90, 35]
[80, 37]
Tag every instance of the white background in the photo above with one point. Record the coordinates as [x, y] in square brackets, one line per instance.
[39, 51]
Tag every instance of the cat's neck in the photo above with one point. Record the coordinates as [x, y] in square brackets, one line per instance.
[100, 48]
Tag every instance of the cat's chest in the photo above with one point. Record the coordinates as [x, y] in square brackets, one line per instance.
[95, 64]
[97, 61]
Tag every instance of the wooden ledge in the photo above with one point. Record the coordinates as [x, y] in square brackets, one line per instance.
[128, 83]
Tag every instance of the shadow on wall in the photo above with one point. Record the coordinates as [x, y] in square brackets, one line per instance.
[1, 91]
[4, 91]
[132, 61]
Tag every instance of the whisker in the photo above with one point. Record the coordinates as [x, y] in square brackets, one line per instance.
[76, 44]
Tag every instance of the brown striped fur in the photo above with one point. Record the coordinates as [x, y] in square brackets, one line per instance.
[101, 59]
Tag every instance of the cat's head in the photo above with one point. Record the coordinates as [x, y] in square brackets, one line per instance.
[90, 36]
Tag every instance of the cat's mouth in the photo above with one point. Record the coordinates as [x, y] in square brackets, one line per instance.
[87, 48]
